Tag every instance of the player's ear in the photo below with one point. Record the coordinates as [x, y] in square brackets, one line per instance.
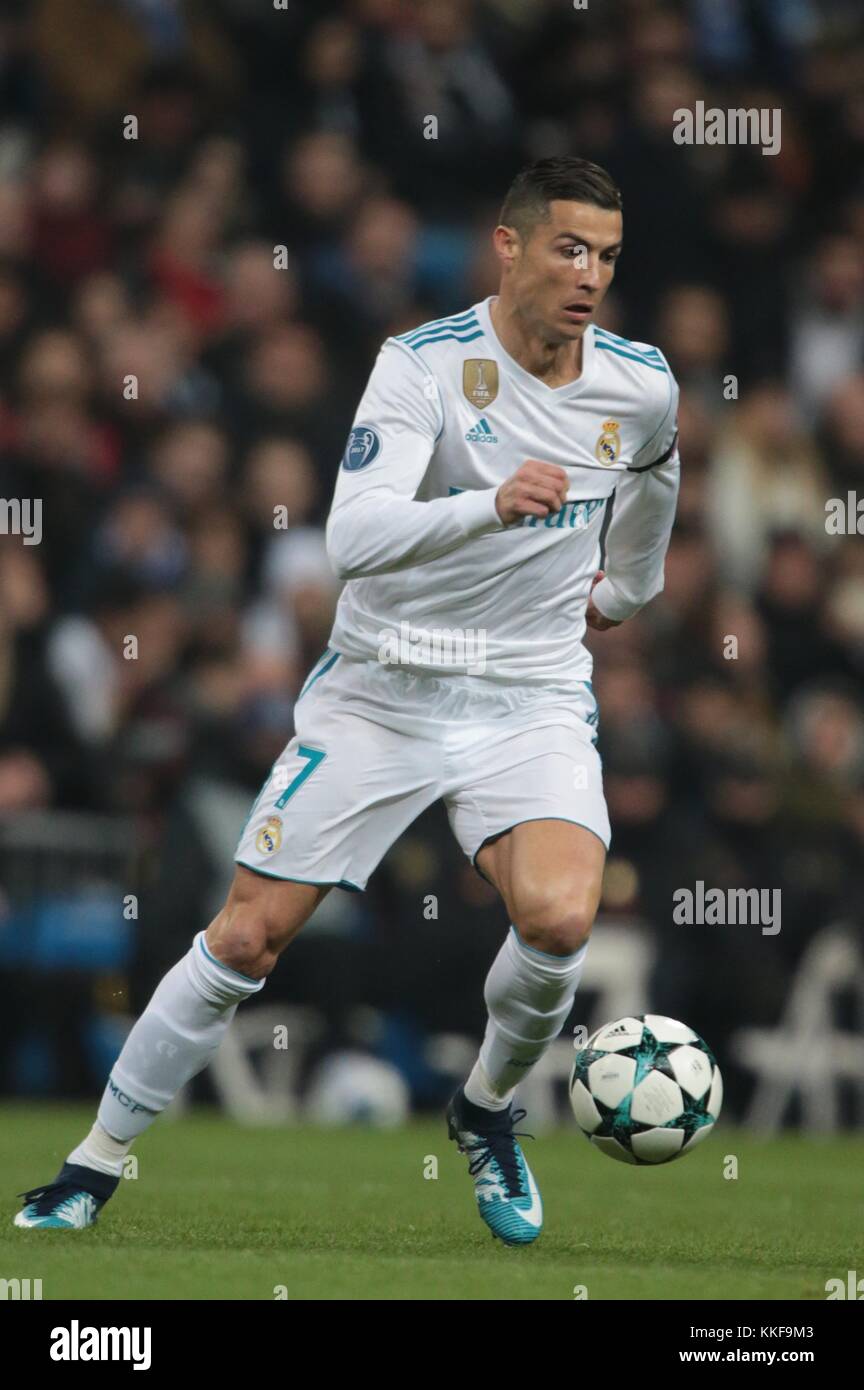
[507, 243]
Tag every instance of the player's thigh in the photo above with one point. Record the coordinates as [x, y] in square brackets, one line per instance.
[530, 813]
[260, 917]
[550, 876]
[363, 764]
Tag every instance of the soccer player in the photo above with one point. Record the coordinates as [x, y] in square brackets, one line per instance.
[466, 523]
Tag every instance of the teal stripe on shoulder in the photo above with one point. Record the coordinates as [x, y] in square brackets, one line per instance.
[627, 344]
[437, 323]
[633, 357]
[446, 337]
[409, 339]
[453, 321]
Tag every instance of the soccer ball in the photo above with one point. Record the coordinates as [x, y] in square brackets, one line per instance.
[352, 1088]
[646, 1089]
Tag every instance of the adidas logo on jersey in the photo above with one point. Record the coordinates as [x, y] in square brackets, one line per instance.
[481, 433]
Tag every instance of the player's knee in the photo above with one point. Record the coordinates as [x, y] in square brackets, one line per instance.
[254, 926]
[552, 921]
[243, 939]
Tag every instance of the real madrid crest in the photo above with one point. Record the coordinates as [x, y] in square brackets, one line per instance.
[269, 837]
[608, 446]
[480, 381]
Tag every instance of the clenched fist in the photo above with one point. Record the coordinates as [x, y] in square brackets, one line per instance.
[535, 489]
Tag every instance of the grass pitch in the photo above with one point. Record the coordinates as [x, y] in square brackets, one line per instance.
[220, 1211]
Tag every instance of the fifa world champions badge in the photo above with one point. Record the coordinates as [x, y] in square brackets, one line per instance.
[608, 446]
[480, 381]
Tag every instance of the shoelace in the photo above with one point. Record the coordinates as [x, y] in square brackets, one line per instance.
[48, 1196]
[504, 1153]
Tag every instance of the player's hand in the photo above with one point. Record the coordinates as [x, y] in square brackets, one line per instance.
[535, 489]
[593, 617]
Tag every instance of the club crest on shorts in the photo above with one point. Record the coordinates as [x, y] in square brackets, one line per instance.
[480, 381]
[269, 837]
[608, 446]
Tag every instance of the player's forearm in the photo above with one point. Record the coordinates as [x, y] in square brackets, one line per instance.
[376, 532]
[637, 541]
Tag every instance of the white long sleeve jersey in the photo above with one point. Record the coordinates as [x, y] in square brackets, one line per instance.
[447, 416]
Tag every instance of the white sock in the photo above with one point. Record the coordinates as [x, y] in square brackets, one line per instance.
[529, 995]
[173, 1040]
[101, 1152]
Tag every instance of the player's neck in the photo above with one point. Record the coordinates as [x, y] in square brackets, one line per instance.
[557, 364]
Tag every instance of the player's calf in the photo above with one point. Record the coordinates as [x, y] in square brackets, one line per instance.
[174, 1039]
[549, 873]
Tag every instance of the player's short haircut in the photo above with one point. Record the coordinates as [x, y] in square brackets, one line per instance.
[563, 176]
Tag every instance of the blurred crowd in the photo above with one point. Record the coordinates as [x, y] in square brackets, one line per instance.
[211, 214]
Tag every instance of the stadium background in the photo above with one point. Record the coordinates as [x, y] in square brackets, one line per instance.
[123, 783]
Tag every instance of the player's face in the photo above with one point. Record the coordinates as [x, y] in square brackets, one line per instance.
[559, 275]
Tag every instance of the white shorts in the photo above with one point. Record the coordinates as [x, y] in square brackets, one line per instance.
[375, 745]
